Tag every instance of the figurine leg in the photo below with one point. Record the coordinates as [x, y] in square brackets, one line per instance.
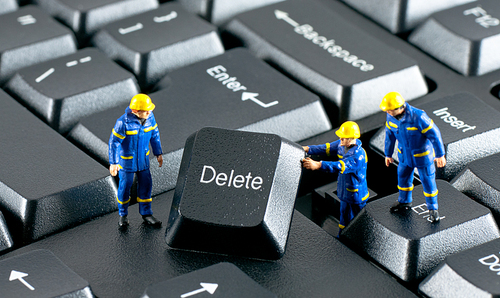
[126, 180]
[347, 212]
[405, 186]
[428, 178]
[144, 185]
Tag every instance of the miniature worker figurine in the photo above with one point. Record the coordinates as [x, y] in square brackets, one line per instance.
[129, 155]
[419, 145]
[352, 189]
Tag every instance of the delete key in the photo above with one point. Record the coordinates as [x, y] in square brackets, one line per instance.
[235, 193]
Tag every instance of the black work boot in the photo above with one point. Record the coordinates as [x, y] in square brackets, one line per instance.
[123, 221]
[151, 220]
[400, 207]
[434, 216]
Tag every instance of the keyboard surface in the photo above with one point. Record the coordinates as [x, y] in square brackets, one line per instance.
[293, 68]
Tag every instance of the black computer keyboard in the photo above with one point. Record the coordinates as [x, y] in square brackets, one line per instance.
[295, 68]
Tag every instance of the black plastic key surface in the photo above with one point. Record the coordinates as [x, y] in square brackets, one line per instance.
[86, 17]
[29, 36]
[471, 273]
[314, 265]
[159, 41]
[221, 11]
[235, 193]
[8, 6]
[407, 243]
[481, 182]
[64, 90]
[468, 35]
[40, 273]
[234, 91]
[5, 238]
[323, 51]
[469, 127]
[401, 15]
[46, 183]
[219, 280]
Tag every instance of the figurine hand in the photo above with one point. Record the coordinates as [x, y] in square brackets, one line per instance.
[388, 161]
[311, 164]
[113, 169]
[306, 148]
[440, 161]
[160, 160]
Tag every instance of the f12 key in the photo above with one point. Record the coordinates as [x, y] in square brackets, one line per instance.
[235, 193]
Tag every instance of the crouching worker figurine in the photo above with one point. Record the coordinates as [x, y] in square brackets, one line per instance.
[352, 189]
[129, 155]
[419, 145]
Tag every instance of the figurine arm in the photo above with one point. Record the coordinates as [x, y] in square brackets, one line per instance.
[432, 133]
[324, 149]
[115, 140]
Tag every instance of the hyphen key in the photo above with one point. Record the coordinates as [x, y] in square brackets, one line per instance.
[235, 193]
[320, 49]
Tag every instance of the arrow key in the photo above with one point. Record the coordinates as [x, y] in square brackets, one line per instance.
[220, 280]
[40, 273]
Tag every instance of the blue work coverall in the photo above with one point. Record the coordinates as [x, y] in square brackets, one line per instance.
[352, 189]
[419, 142]
[129, 147]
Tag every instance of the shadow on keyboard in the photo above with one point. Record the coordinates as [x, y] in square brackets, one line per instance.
[293, 68]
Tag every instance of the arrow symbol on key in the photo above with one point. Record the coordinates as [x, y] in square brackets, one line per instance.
[205, 287]
[281, 15]
[19, 275]
[253, 97]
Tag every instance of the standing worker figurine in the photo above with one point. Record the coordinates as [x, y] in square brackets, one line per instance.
[129, 155]
[352, 189]
[419, 145]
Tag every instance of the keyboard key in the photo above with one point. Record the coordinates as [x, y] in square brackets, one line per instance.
[40, 273]
[221, 11]
[408, 244]
[5, 238]
[227, 204]
[86, 17]
[46, 183]
[234, 91]
[481, 182]
[225, 279]
[401, 15]
[470, 130]
[159, 41]
[64, 90]
[471, 273]
[314, 265]
[468, 35]
[7, 6]
[29, 36]
[322, 50]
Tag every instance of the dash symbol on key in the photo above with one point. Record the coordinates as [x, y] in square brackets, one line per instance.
[85, 59]
[44, 75]
[130, 29]
[165, 18]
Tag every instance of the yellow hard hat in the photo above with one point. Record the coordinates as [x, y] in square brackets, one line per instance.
[348, 130]
[392, 101]
[141, 102]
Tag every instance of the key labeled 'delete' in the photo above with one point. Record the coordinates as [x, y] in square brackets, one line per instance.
[223, 211]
